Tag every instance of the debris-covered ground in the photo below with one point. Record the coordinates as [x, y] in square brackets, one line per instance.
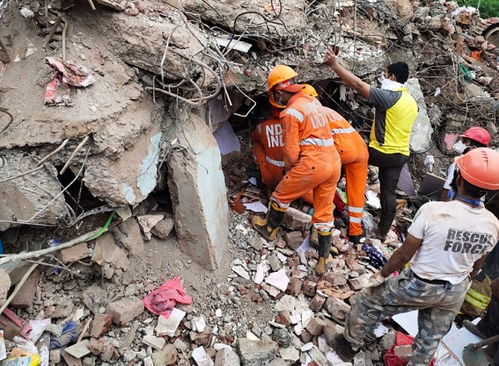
[103, 103]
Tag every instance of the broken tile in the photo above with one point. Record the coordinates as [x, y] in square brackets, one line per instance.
[278, 279]
[168, 327]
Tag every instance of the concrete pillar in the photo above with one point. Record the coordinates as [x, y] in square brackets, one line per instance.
[198, 193]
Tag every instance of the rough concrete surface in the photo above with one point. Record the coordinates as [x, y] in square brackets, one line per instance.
[198, 193]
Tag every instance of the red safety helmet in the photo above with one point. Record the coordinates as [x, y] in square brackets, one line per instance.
[477, 134]
[480, 167]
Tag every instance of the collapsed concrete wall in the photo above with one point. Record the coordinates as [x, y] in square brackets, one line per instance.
[198, 192]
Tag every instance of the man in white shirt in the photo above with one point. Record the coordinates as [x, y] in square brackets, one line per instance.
[446, 245]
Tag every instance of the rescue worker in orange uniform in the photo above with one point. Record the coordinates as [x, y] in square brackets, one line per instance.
[267, 147]
[354, 157]
[310, 159]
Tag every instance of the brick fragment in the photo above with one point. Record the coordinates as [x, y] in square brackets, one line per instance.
[284, 318]
[294, 286]
[309, 288]
[317, 302]
[124, 311]
[100, 325]
[335, 279]
[315, 326]
[73, 254]
[293, 239]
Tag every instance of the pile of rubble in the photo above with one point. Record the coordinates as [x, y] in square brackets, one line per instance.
[271, 310]
[91, 125]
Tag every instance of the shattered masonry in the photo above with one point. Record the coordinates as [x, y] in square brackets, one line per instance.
[129, 123]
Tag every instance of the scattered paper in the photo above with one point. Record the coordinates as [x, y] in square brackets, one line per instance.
[408, 321]
[257, 207]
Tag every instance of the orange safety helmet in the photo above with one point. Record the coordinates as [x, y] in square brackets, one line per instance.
[279, 74]
[310, 90]
[480, 167]
[477, 134]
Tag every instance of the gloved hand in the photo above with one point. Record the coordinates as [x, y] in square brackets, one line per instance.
[375, 280]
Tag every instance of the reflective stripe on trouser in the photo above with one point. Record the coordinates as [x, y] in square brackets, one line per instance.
[271, 175]
[437, 305]
[356, 177]
[319, 172]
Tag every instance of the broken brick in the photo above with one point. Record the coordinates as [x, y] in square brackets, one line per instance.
[163, 228]
[317, 302]
[256, 298]
[73, 254]
[294, 286]
[293, 261]
[315, 326]
[309, 288]
[355, 284]
[242, 290]
[284, 318]
[335, 279]
[296, 220]
[124, 311]
[24, 298]
[100, 325]
[337, 308]
[293, 239]
[306, 336]
[128, 235]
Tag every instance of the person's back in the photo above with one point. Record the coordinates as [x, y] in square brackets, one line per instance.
[347, 140]
[395, 114]
[307, 129]
[269, 134]
[455, 235]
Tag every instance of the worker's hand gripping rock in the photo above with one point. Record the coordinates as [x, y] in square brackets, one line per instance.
[375, 280]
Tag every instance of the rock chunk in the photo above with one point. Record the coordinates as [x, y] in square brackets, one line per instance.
[124, 311]
[257, 353]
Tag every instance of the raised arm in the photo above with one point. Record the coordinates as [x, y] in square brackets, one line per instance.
[348, 78]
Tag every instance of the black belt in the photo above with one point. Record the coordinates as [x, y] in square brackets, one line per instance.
[432, 282]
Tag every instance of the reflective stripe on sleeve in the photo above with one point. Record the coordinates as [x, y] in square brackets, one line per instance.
[316, 142]
[293, 112]
[275, 162]
[337, 131]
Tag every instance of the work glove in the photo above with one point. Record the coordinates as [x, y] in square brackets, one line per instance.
[375, 280]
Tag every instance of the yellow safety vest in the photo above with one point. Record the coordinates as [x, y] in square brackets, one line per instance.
[398, 123]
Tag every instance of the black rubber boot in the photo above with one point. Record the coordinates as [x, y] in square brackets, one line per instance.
[343, 348]
[355, 239]
[269, 227]
[324, 249]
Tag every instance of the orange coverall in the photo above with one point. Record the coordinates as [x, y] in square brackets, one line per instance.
[310, 158]
[354, 157]
[267, 147]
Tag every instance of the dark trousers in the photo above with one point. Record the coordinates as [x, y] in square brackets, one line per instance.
[390, 166]
[489, 325]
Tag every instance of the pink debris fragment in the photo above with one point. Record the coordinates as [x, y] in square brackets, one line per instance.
[450, 139]
[162, 300]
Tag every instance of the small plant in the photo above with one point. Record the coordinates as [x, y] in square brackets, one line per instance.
[487, 8]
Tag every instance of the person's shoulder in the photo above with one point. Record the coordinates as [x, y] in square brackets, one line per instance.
[490, 216]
